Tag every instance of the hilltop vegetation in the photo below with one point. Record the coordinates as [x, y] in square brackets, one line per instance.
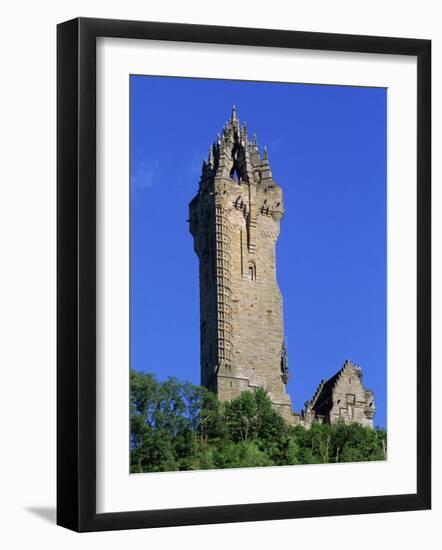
[179, 426]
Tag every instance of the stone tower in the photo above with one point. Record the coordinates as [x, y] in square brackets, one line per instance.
[235, 222]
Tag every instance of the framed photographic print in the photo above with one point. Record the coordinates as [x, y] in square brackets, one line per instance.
[243, 274]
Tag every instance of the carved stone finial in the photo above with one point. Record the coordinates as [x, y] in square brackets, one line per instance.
[211, 157]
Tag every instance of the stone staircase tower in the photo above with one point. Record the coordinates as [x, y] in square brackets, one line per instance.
[235, 222]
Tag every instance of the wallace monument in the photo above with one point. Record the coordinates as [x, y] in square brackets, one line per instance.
[235, 222]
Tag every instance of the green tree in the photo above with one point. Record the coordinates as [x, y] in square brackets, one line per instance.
[179, 426]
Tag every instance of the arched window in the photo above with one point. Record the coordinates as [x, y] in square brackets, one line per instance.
[251, 272]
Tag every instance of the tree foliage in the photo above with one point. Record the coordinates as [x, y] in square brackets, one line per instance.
[179, 426]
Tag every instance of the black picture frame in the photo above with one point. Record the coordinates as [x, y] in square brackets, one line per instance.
[76, 274]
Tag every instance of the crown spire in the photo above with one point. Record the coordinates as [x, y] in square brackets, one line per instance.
[234, 116]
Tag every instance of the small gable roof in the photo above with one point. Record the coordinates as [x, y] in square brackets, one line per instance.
[322, 401]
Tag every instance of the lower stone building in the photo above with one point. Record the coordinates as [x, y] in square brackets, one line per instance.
[341, 398]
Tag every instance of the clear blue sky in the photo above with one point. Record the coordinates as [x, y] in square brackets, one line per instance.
[327, 150]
